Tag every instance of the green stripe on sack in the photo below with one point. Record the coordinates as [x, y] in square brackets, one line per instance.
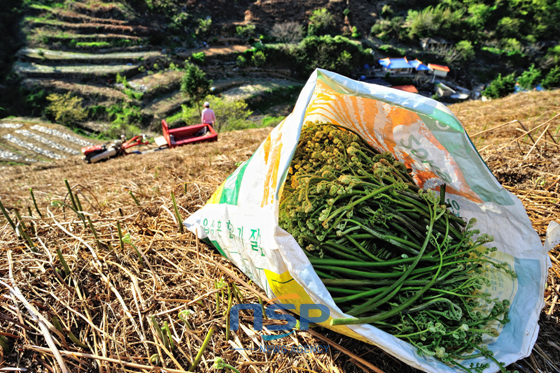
[218, 247]
[214, 243]
[232, 186]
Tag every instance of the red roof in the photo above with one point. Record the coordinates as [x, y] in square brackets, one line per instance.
[407, 88]
[438, 67]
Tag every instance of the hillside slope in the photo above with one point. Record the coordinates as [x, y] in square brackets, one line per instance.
[92, 50]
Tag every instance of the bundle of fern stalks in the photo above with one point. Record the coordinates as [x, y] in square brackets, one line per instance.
[391, 254]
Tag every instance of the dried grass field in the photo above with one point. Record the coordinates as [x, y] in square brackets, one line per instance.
[75, 298]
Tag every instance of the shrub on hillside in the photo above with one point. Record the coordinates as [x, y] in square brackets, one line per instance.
[552, 56]
[287, 32]
[179, 23]
[552, 79]
[500, 87]
[97, 112]
[512, 47]
[121, 79]
[465, 50]
[321, 22]
[198, 58]
[258, 59]
[389, 49]
[270, 121]
[65, 109]
[230, 115]
[422, 23]
[204, 27]
[241, 61]
[386, 29]
[478, 15]
[337, 54]
[246, 32]
[432, 21]
[125, 120]
[529, 78]
[509, 27]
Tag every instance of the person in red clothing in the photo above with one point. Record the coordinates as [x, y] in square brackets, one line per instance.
[208, 116]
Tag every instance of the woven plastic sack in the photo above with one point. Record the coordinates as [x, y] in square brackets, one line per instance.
[241, 218]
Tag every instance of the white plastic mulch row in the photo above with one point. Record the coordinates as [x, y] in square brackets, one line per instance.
[9, 156]
[29, 146]
[63, 135]
[10, 125]
[48, 142]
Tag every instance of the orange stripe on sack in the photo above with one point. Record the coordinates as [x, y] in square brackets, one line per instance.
[375, 121]
[272, 160]
[266, 148]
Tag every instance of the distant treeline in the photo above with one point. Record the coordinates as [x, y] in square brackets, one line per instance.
[524, 31]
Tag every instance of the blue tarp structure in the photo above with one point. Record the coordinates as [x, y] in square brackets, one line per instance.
[395, 63]
[518, 88]
[418, 65]
[403, 63]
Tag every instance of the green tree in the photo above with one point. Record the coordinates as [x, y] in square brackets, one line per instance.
[552, 56]
[478, 15]
[246, 32]
[509, 27]
[465, 49]
[386, 29]
[195, 84]
[241, 61]
[432, 21]
[204, 26]
[529, 79]
[422, 23]
[552, 79]
[331, 53]
[321, 22]
[512, 46]
[500, 87]
[199, 58]
[258, 59]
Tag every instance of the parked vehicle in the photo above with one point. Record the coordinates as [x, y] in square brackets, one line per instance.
[114, 149]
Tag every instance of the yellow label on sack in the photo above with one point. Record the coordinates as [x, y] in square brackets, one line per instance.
[215, 199]
[287, 290]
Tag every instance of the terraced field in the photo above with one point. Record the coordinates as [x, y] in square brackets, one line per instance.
[24, 141]
[84, 47]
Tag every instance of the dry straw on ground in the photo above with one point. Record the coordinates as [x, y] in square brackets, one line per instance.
[102, 305]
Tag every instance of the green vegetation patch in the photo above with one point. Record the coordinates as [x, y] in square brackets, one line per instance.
[93, 44]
